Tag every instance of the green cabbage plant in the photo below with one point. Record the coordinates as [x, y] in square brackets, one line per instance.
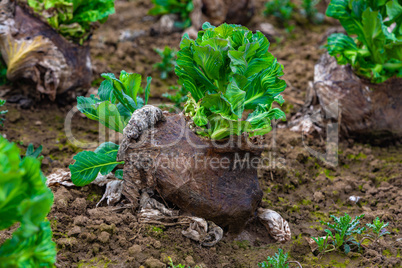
[116, 101]
[282, 10]
[24, 199]
[233, 81]
[309, 10]
[179, 97]
[166, 66]
[73, 18]
[373, 44]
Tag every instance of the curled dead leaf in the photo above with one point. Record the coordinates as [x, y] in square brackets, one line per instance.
[59, 177]
[277, 227]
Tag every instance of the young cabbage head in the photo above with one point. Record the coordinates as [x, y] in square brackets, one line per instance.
[233, 81]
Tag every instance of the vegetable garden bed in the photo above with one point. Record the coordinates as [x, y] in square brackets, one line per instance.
[303, 189]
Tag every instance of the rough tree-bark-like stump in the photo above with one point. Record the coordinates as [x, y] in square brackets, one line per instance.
[361, 108]
[35, 52]
[220, 11]
[216, 181]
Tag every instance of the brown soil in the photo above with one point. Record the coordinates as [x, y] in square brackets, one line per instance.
[303, 189]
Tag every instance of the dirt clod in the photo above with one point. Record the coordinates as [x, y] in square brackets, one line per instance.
[154, 263]
[104, 237]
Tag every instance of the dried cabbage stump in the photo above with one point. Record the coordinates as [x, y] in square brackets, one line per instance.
[185, 170]
[35, 52]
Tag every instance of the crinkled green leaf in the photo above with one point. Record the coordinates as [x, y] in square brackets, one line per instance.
[373, 33]
[221, 128]
[235, 95]
[218, 104]
[209, 60]
[260, 119]
[104, 112]
[118, 86]
[343, 48]
[279, 99]
[126, 113]
[89, 106]
[200, 118]
[12, 190]
[224, 30]
[191, 77]
[24, 196]
[120, 92]
[394, 12]
[265, 86]
[132, 83]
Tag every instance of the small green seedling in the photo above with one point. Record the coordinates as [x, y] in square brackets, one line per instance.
[171, 264]
[168, 63]
[181, 7]
[324, 244]
[31, 152]
[309, 10]
[179, 97]
[279, 260]
[344, 230]
[282, 10]
[378, 228]
[2, 102]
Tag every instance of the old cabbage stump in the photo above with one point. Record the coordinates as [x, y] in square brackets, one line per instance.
[362, 110]
[35, 52]
[213, 180]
